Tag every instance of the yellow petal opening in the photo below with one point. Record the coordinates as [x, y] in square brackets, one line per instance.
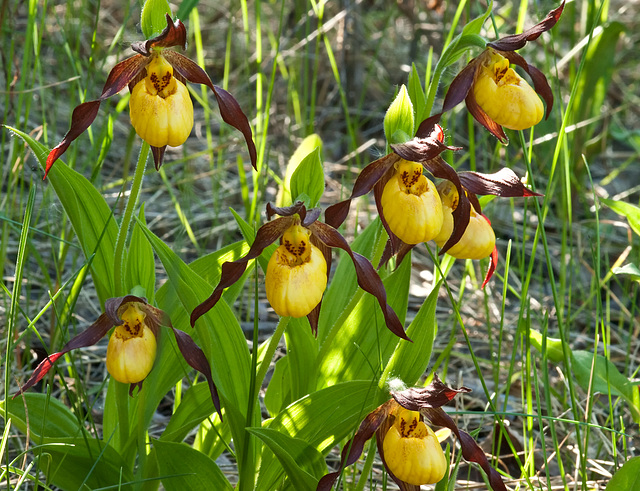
[132, 348]
[160, 107]
[411, 204]
[296, 275]
[505, 96]
[412, 450]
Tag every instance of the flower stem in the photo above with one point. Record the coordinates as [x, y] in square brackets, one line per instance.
[118, 279]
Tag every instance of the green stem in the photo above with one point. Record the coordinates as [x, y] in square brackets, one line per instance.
[122, 405]
[126, 220]
[271, 349]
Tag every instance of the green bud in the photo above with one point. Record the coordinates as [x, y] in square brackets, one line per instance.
[398, 122]
[554, 346]
[152, 17]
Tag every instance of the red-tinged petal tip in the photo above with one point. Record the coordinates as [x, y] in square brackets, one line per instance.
[493, 263]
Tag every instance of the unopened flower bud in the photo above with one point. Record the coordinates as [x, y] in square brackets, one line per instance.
[296, 276]
[411, 204]
[412, 450]
[505, 96]
[132, 347]
[160, 108]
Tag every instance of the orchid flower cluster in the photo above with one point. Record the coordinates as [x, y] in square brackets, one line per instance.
[412, 207]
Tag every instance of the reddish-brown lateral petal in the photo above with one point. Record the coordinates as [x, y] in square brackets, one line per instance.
[354, 447]
[368, 279]
[229, 108]
[297, 208]
[196, 359]
[435, 394]
[470, 449]
[158, 155]
[460, 86]
[481, 117]
[517, 41]
[175, 34]
[336, 214]
[421, 149]
[430, 128]
[503, 183]
[440, 169]
[84, 114]
[493, 263]
[540, 83]
[82, 117]
[233, 270]
[88, 337]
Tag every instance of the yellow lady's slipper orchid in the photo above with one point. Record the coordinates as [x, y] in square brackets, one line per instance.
[411, 204]
[296, 276]
[504, 95]
[478, 240]
[412, 450]
[160, 107]
[132, 347]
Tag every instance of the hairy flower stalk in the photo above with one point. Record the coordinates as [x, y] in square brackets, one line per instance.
[411, 204]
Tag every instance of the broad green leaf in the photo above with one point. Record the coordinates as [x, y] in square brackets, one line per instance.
[362, 346]
[308, 178]
[182, 468]
[627, 477]
[220, 337]
[278, 394]
[628, 210]
[606, 379]
[45, 418]
[89, 214]
[303, 464]
[83, 463]
[141, 266]
[322, 419]
[398, 120]
[308, 145]
[302, 351]
[416, 92]
[196, 406]
[628, 269]
[344, 283]
[410, 360]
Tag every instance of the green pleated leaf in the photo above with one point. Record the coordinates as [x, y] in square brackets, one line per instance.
[606, 379]
[362, 346]
[308, 178]
[303, 464]
[89, 214]
[195, 407]
[410, 360]
[627, 477]
[141, 266]
[218, 334]
[418, 97]
[278, 394]
[322, 419]
[182, 468]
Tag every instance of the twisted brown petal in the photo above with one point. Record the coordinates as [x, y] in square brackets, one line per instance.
[368, 279]
[336, 214]
[493, 263]
[470, 449]
[481, 117]
[434, 395]
[195, 357]
[517, 41]
[460, 86]
[354, 447]
[84, 114]
[229, 108]
[297, 208]
[233, 270]
[175, 34]
[503, 183]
